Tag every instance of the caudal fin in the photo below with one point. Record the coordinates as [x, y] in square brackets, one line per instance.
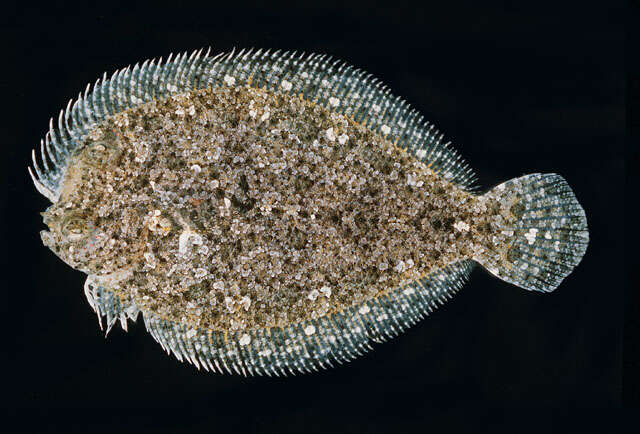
[546, 232]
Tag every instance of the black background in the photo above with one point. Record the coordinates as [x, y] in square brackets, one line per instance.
[518, 89]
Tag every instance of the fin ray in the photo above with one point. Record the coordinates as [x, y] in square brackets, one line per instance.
[549, 238]
[110, 304]
[303, 347]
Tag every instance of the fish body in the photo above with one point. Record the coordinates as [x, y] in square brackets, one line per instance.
[276, 213]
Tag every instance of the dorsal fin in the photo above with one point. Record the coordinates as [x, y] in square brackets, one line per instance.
[304, 347]
[330, 83]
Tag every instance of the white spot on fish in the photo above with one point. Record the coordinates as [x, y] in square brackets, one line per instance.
[326, 291]
[409, 291]
[245, 340]
[531, 235]
[461, 226]
[245, 302]
[331, 136]
[183, 241]
[228, 302]
[364, 309]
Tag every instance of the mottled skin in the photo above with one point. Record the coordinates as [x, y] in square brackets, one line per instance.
[78, 233]
[235, 208]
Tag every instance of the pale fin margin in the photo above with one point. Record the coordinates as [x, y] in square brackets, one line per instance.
[318, 78]
[308, 346]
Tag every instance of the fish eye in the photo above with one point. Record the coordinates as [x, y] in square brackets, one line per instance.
[74, 227]
[101, 152]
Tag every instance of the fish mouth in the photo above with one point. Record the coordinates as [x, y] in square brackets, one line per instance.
[47, 239]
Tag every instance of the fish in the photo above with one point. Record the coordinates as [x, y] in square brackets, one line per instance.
[276, 213]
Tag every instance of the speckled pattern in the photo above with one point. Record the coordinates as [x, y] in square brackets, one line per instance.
[274, 213]
[238, 208]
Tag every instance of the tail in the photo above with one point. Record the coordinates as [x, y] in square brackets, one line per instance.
[544, 231]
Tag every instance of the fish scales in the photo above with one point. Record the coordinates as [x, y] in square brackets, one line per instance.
[274, 213]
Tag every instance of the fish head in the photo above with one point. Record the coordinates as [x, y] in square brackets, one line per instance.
[75, 234]
[74, 237]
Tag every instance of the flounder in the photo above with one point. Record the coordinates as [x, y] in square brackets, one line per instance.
[275, 213]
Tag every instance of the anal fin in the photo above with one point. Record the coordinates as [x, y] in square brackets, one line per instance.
[313, 344]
